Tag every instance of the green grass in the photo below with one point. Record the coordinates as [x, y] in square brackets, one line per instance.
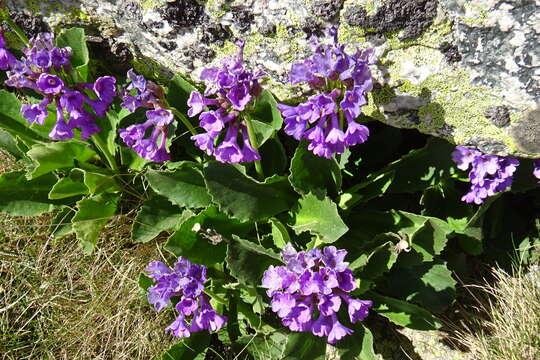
[508, 324]
[56, 303]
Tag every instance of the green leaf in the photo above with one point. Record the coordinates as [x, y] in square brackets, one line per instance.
[280, 235]
[69, 186]
[422, 168]
[247, 261]
[373, 187]
[273, 157]
[156, 215]
[130, 159]
[243, 197]
[319, 217]
[265, 346]
[144, 282]
[61, 224]
[195, 238]
[22, 197]
[357, 346]
[184, 186]
[75, 39]
[12, 121]
[92, 215]
[430, 285]
[107, 135]
[379, 259]
[97, 182]
[179, 93]
[403, 313]
[365, 224]
[9, 143]
[191, 348]
[305, 346]
[266, 117]
[57, 155]
[427, 242]
[311, 173]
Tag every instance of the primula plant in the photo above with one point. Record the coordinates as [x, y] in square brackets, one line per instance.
[279, 244]
[328, 120]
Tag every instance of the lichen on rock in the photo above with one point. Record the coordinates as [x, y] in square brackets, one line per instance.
[444, 65]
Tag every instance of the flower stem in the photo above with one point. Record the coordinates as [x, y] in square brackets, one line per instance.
[184, 120]
[103, 149]
[254, 145]
[20, 34]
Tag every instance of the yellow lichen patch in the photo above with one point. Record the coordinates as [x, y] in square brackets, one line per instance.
[454, 101]
[474, 14]
[148, 4]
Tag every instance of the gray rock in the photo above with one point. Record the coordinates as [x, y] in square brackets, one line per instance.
[498, 115]
[442, 64]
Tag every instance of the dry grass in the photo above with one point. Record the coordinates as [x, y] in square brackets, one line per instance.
[510, 325]
[56, 303]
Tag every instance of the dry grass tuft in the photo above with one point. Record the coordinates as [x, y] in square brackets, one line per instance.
[56, 303]
[510, 326]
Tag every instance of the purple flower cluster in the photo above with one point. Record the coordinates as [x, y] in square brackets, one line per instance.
[344, 81]
[314, 282]
[489, 174]
[234, 89]
[147, 94]
[536, 171]
[46, 69]
[6, 58]
[184, 280]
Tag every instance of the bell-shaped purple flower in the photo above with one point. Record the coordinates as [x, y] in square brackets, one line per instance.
[358, 309]
[186, 281]
[488, 175]
[36, 113]
[536, 171]
[179, 328]
[7, 60]
[50, 84]
[105, 88]
[346, 80]
[235, 89]
[313, 283]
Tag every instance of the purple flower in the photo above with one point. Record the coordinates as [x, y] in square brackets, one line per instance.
[344, 80]
[105, 88]
[186, 281]
[489, 174]
[358, 309]
[160, 117]
[314, 283]
[536, 171]
[6, 59]
[143, 93]
[234, 88]
[50, 84]
[36, 113]
[46, 69]
[152, 148]
[41, 59]
[61, 57]
[61, 130]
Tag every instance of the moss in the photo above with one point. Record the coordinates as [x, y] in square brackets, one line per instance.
[148, 4]
[150, 68]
